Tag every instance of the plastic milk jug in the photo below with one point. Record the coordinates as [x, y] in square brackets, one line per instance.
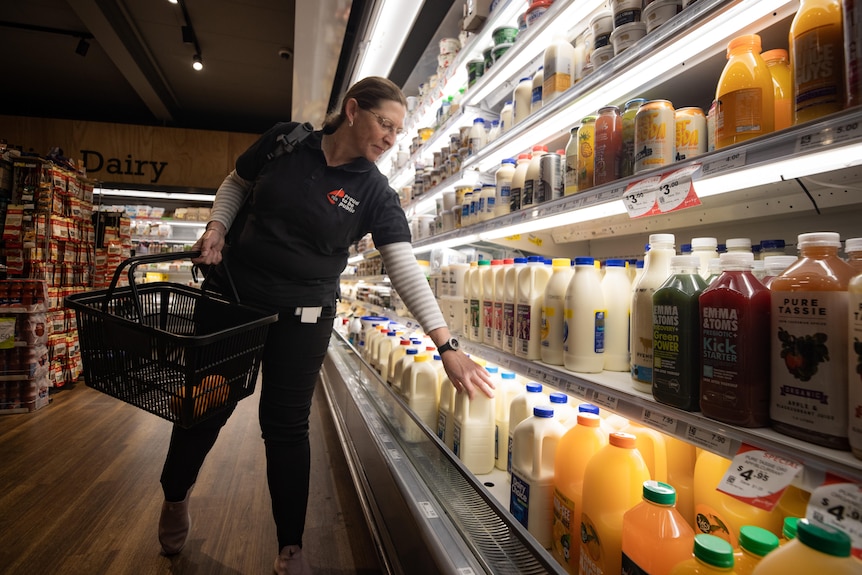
[510, 302]
[553, 310]
[616, 288]
[712, 556]
[446, 414]
[754, 544]
[486, 316]
[532, 490]
[395, 356]
[401, 366]
[373, 346]
[499, 300]
[473, 439]
[467, 295]
[532, 281]
[384, 349]
[656, 270]
[655, 535]
[503, 185]
[574, 451]
[476, 294]
[817, 549]
[584, 345]
[520, 409]
[614, 480]
[419, 387]
[508, 389]
[532, 178]
[559, 68]
[518, 179]
[563, 411]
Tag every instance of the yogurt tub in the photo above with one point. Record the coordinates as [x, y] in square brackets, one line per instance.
[475, 69]
[623, 37]
[488, 55]
[499, 50]
[504, 35]
[602, 25]
[626, 11]
[449, 45]
[602, 55]
[658, 12]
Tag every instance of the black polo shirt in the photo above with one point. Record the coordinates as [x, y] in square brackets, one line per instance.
[304, 215]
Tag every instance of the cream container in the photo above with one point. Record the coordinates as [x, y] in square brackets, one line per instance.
[658, 12]
[626, 35]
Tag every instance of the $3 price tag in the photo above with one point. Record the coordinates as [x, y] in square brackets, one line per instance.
[838, 503]
[675, 190]
[639, 197]
[758, 477]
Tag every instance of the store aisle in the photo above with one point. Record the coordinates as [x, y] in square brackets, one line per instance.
[80, 495]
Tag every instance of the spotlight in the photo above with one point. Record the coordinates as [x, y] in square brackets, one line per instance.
[173, 1]
[197, 63]
[83, 47]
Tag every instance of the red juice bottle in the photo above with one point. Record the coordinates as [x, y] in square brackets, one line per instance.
[676, 363]
[734, 329]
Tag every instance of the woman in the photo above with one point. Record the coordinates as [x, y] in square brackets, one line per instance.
[306, 209]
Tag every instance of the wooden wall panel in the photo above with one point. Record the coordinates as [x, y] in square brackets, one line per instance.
[141, 156]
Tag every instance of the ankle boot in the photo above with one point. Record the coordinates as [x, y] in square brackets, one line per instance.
[174, 525]
[291, 562]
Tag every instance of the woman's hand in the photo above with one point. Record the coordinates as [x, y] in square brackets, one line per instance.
[466, 375]
[210, 244]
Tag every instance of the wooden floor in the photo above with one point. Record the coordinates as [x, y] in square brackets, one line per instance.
[80, 495]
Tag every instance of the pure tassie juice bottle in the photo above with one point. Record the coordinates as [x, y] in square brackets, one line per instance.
[854, 363]
[574, 451]
[655, 535]
[614, 480]
[817, 549]
[809, 349]
[734, 338]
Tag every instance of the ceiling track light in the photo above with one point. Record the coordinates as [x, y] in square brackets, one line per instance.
[197, 63]
[82, 47]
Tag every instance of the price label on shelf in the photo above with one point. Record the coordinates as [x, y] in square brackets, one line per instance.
[844, 132]
[659, 421]
[579, 390]
[428, 509]
[606, 400]
[639, 197]
[675, 190]
[729, 162]
[838, 503]
[535, 373]
[758, 477]
[709, 440]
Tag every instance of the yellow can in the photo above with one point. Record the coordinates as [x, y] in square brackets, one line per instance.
[654, 135]
[586, 153]
[690, 133]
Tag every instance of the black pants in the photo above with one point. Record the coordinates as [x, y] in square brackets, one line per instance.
[292, 358]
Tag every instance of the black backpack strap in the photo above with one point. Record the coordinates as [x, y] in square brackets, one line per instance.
[288, 142]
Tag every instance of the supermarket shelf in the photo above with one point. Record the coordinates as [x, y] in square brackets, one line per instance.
[366, 279]
[614, 391]
[408, 322]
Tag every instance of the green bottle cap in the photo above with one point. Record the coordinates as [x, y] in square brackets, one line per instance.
[823, 538]
[789, 530]
[713, 550]
[757, 540]
[659, 493]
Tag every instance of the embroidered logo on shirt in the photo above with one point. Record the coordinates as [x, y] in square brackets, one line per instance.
[340, 198]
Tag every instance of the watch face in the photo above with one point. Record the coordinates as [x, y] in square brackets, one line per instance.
[454, 343]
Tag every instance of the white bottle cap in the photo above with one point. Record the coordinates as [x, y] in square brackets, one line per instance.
[819, 239]
[714, 266]
[737, 260]
[655, 239]
[685, 262]
[853, 245]
[738, 244]
[775, 265]
[709, 243]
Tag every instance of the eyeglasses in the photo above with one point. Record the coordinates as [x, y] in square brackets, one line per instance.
[385, 123]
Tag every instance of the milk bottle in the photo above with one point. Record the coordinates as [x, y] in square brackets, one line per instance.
[486, 316]
[584, 347]
[706, 249]
[503, 187]
[395, 356]
[505, 392]
[534, 446]
[419, 387]
[476, 294]
[563, 411]
[616, 288]
[518, 179]
[467, 328]
[519, 409]
[401, 366]
[532, 178]
[499, 300]
[532, 281]
[473, 440]
[509, 302]
[446, 414]
[384, 348]
[553, 311]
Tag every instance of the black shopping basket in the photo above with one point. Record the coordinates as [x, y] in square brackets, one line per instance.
[179, 352]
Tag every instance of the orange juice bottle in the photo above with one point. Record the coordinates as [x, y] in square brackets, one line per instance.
[754, 544]
[681, 457]
[719, 514]
[655, 535]
[782, 81]
[614, 479]
[788, 532]
[817, 59]
[574, 451]
[712, 556]
[745, 96]
[653, 449]
[817, 549]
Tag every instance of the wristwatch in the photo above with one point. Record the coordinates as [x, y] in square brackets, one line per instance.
[451, 344]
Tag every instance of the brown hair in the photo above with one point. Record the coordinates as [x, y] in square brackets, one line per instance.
[369, 93]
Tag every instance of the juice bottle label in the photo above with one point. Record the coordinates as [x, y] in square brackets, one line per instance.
[809, 361]
[817, 71]
[710, 521]
[720, 344]
[739, 114]
[509, 456]
[519, 503]
[527, 194]
[523, 325]
[488, 315]
[666, 349]
[456, 449]
[557, 82]
[564, 532]
[632, 568]
[509, 325]
[854, 351]
[498, 323]
[642, 334]
[599, 331]
[547, 314]
[475, 307]
[592, 559]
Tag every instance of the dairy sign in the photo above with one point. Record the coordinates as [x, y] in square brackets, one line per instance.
[94, 162]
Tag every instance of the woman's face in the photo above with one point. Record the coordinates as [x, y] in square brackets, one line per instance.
[375, 130]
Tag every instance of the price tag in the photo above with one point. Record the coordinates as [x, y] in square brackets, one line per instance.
[838, 503]
[833, 135]
[639, 197]
[394, 455]
[606, 400]
[428, 509]
[758, 478]
[724, 164]
[675, 190]
[708, 440]
[608, 195]
[657, 420]
[535, 373]
[579, 390]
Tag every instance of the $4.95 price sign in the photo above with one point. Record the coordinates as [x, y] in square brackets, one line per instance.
[758, 477]
[838, 503]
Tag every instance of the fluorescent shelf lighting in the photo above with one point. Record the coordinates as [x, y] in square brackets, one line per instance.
[613, 208]
[155, 195]
[385, 38]
[448, 243]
